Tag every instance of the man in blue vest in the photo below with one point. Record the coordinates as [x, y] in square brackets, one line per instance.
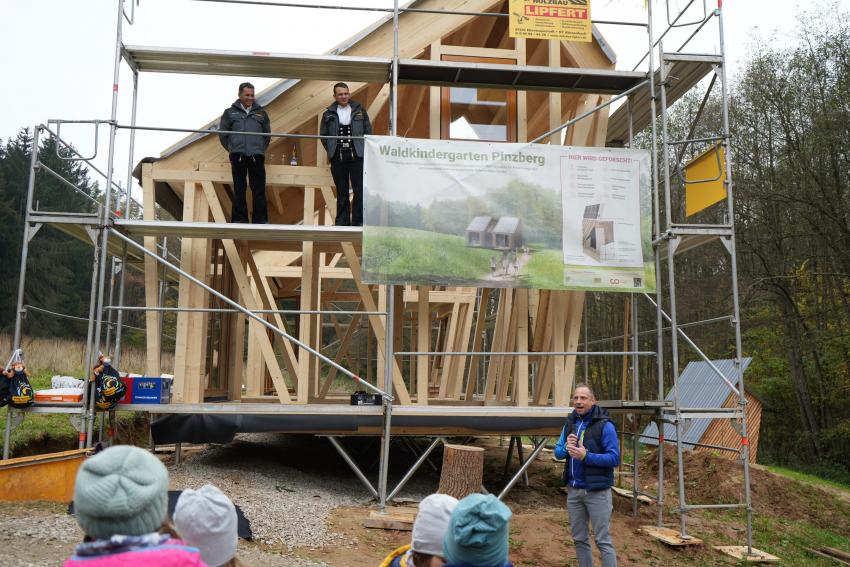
[589, 444]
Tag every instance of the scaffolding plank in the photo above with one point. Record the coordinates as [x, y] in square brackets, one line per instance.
[518, 77]
[685, 72]
[241, 231]
[257, 64]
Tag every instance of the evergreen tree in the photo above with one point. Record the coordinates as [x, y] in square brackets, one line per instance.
[59, 266]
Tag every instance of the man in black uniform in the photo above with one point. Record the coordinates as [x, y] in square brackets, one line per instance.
[349, 119]
[247, 153]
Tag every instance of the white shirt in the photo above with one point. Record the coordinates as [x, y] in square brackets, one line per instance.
[344, 113]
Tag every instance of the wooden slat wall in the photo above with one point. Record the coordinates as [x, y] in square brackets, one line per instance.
[722, 434]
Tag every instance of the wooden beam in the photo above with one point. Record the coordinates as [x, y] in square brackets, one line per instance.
[521, 375]
[477, 338]
[449, 346]
[309, 294]
[434, 98]
[153, 334]
[521, 96]
[576, 311]
[256, 366]
[377, 324]
[423, 344]
[248, 299]
[340, 354]
[283, 175]
[264, 292]
[500, 332]
[507, 362]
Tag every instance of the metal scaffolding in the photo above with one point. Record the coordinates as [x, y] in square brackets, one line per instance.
[647, 96]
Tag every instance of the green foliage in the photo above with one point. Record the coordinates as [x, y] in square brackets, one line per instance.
[538, 208]
[421, 253]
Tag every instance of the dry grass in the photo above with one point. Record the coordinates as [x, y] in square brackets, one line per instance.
[65, 356]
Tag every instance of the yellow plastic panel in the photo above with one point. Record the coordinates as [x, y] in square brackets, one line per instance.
[706, 184]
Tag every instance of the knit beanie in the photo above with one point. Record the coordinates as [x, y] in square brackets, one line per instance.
[121, 491]
[431, 524]
[206, 519]
[478, 532]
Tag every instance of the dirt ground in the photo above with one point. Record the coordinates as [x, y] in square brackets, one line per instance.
[307, 476]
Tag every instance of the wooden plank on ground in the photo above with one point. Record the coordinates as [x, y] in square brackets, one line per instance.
[669, 536]
[739, 552]
[392, 519]
[625, 493]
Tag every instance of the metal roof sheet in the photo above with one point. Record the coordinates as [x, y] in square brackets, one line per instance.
[479, 224]
[699, 387]
[506, 225]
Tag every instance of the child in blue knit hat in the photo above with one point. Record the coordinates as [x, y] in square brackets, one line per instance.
[478, 533]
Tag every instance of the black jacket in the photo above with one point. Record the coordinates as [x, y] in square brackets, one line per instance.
[255, 120]
[360, 126]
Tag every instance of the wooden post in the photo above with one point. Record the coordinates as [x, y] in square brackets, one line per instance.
[463, 470]
[153, 332]
[423, 343]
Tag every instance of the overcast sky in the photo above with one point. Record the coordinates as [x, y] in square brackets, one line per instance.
[56, 56]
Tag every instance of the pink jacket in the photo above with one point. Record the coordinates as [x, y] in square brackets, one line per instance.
[167, 553]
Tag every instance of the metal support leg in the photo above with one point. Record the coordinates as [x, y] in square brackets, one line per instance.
[7, 437]
[105, 216]
[22, 274]
[635, 397]
[352, 465]
[521, 460]
[417, 452]
[388, 404]
[415, 467]
[522, 469]
[508, 456]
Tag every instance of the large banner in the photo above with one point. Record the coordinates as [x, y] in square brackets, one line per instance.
[484, 214]
[567, 20]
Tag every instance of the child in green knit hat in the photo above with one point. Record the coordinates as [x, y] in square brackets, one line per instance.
[121, 503]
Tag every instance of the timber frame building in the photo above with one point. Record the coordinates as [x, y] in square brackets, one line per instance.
[443, 367]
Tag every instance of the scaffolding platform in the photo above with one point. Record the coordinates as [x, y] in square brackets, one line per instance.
[693, 236]
[685, 72]
[378, 70]
[184, 423]
[241, 231]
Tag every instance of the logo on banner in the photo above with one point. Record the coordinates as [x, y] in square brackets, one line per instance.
[551, 19]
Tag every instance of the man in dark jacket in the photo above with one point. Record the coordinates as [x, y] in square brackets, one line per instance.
[247, 153]
[346, 118]
[589, 443]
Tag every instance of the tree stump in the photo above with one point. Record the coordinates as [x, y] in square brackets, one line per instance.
[463, 470]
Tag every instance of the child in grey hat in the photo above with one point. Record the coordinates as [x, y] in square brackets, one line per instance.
[206, 519]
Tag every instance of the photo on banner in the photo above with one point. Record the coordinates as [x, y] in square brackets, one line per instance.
[493, 215]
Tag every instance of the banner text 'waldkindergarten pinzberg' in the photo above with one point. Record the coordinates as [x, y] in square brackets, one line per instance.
[484, 214]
